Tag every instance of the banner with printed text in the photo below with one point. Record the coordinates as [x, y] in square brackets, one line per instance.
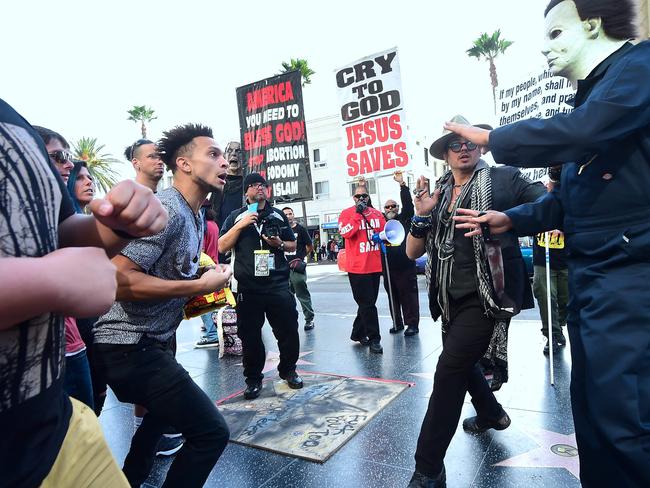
[372, 115]
[273, 135]
[540, 95]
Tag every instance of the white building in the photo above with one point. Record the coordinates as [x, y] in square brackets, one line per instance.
[333, 188]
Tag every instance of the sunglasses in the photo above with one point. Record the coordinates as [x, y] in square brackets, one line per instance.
[60, 157]
[362, 195]
[388, 207]
[457, 146]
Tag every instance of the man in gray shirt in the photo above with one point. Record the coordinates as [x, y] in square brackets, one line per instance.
[156, 275]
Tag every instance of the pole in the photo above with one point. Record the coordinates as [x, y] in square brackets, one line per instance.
[390, 287]
[549, 315]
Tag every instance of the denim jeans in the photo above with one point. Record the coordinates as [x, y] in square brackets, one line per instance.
[210, 327]
[147, 374]
[77, 381]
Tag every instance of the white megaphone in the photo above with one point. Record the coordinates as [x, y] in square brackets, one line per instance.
[393, 233]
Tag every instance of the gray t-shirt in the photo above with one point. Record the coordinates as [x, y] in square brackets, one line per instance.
[173, 254]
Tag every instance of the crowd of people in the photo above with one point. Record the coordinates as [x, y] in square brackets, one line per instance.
[139, 251]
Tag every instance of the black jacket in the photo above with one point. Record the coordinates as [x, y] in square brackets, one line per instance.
[397, 258]
[509, 189]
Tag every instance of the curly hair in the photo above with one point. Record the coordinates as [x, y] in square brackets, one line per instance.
[179, 141]
[618, 16]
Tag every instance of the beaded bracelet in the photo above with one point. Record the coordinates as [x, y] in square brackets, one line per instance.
[418, 232]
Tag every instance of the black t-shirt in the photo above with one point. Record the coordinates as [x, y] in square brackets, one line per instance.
[557, 255]
[34, 410]
[249, 241]
[302, 241]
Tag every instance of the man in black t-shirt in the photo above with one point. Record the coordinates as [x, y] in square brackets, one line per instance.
[47, 438]
[298, 267]
[258, 236]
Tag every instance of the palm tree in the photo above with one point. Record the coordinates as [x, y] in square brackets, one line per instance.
[141, 113]
[99, 165]
[490, 47]
[302, 66]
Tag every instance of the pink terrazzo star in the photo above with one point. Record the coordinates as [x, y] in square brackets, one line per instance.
[555, 451]
[273, 358]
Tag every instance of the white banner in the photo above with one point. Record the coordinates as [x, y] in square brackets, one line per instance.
[539, 95]
[372, 115]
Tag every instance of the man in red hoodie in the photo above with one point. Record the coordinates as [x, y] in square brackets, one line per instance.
[357, 225]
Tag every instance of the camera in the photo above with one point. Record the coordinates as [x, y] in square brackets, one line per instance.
[270, 228]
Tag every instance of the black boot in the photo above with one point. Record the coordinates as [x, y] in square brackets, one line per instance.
[420, 480]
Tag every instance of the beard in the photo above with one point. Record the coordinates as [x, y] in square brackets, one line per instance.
[391, 215]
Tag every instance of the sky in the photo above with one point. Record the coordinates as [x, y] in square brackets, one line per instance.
[77, 66]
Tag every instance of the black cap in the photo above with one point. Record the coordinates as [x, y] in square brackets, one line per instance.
[253, 178]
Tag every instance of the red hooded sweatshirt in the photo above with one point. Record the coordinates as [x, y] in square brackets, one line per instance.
[362, 255]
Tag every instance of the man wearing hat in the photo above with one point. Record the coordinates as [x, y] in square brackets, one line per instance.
[475, 286]
[259, 235]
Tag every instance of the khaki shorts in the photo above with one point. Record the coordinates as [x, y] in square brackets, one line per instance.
[84, 459]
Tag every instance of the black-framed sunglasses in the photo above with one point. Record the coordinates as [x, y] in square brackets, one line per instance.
[361, 195]
[388, 207]
[60, 157]
[457, 146]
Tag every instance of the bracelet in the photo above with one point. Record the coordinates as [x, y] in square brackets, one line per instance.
[419, 232]
[123, 235]
[421, 222]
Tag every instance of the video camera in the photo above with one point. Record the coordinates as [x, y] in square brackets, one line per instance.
[270, 227]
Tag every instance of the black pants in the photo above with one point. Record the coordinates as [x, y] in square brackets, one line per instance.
[147, 374]
[365, 288]
[280, 309]
[404, 303]
[468, 335]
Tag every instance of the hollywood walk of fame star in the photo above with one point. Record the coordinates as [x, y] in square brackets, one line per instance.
[555, 451]
[273, 358]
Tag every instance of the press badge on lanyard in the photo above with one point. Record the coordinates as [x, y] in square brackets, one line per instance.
[264, 260]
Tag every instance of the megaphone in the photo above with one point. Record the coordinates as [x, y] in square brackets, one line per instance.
[393, 233]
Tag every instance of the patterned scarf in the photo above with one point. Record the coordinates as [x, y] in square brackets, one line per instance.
[440, 245]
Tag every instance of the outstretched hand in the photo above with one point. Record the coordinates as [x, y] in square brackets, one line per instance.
[424, 202]
[472, 219]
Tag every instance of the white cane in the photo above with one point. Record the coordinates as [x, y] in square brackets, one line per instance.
[549, 314]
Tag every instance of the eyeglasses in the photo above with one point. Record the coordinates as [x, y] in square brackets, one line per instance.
[388, 207]
[361, 195]
[257, 186]
[457, 146]
[60, 157]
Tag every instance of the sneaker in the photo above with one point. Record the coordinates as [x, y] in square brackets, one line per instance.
[206, 342]
[168, 446]
[309, 325]
[556, 347]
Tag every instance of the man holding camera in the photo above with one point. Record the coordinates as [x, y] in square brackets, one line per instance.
[357, 225]
[259, 235]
